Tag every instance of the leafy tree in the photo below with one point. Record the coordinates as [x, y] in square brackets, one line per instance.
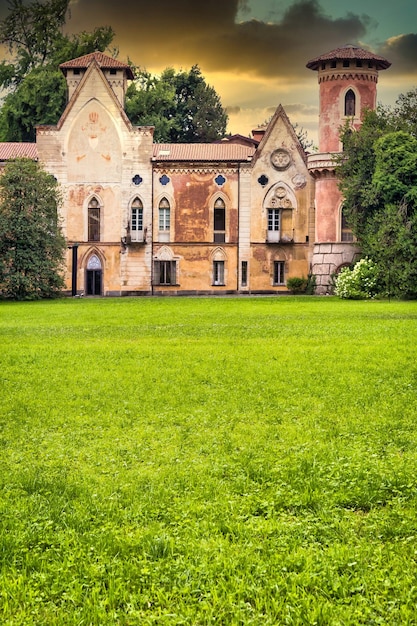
[378, 178]
[150, 101]
[36, 89]
[31, 242]
[39, 99]
[181, 106]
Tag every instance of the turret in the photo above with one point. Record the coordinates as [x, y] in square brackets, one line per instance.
[347, 77]
[116, 73]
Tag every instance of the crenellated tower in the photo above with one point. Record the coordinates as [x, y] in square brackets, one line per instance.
[347, 78]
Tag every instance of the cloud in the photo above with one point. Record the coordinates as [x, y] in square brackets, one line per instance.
[402, 52]
[185, 32]
[233, 110]
[302, 109]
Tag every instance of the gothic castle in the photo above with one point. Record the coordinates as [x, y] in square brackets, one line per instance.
[238, 216]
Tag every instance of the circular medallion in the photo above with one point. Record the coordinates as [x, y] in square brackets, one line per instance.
[280, 159]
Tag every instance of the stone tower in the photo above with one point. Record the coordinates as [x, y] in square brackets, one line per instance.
[347, 77]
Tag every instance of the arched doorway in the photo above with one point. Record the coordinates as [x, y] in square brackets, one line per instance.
[94, 276]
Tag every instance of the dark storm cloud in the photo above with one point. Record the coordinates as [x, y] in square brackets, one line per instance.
[184, 32]
[402, 52]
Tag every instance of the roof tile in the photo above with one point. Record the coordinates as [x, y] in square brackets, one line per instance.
[103, 61]
[349, 52]
[14, 150]
[202, 152]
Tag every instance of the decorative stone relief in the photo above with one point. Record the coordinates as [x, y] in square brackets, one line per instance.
[280, 199]
[299, 181]
[281, 159]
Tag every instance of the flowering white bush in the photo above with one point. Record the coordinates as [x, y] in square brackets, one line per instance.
[358, 283]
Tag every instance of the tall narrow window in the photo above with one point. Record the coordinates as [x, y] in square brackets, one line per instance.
[219, 221]
[350, 103]
[93, 220]
[218, 272]
[279, 272]
[136, 222]
[244, 274]
[164, 220]
[346, 233]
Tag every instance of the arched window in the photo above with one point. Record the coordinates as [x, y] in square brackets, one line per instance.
[219, 235]
[93, 220]
[136, 219]
[350, 103]
[164, 220]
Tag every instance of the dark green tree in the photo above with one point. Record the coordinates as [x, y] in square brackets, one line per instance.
[181, 106]
[35, 88]
[378, 178]
[31, 242]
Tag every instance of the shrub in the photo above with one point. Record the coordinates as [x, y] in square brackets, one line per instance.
[358, 283]
[297, 284]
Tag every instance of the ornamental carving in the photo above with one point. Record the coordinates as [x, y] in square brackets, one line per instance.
[280, 159]
[280, 199]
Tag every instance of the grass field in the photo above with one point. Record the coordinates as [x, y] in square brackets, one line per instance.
[234, 461]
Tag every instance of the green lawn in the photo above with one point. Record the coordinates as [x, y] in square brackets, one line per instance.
[198, 461]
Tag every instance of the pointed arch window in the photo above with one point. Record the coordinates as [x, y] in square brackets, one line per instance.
[350, 103]
[93, 220]
[136, 220]
[164, 219]
[219, 235]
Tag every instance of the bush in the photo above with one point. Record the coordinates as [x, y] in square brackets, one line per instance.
[311, 285]
[358, 283]
[297, 284]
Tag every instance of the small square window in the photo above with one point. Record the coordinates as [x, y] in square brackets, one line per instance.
[165, 272]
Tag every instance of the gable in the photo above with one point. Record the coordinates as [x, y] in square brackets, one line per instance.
[93, 85]
[93, 146]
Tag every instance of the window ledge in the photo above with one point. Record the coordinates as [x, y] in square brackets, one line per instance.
[280, 241]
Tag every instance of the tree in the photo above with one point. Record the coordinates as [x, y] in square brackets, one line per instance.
[378, 178]
[181, 106]
[31, 242]
[36, 89]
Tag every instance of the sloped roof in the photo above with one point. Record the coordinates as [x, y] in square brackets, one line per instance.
[202, 152]
[14, 150]
[239, 139]
[346, 53]
[102, 60]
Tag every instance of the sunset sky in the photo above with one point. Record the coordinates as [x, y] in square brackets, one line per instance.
[254, 52]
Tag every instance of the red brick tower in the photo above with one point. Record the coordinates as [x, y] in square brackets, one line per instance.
[347, 77]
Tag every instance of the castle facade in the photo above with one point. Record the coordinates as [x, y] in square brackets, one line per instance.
[234, 217]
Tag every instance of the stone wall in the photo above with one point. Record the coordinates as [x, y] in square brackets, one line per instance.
[327, 259]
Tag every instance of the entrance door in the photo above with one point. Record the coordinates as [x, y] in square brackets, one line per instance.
[94, 276]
